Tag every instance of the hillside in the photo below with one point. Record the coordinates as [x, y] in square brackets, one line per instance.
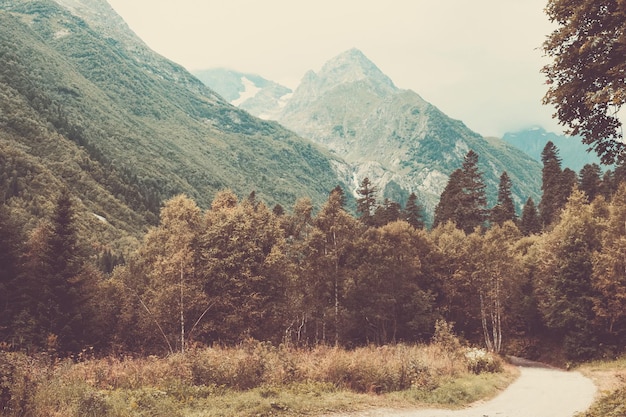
[86, 105]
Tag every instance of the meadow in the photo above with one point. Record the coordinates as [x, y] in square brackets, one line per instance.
[252, 379]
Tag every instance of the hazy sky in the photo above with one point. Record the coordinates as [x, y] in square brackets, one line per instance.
[477, 60]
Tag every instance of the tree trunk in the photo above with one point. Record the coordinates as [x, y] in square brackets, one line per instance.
[182, 309]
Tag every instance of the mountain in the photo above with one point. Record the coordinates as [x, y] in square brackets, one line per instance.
[573, 152]
[251, 92]
[85, 104]
[393, 136]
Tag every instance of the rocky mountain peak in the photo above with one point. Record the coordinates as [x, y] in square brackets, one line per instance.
[347, 68]
[353, 66]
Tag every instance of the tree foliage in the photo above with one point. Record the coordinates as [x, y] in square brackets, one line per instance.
[587, 76]
[530, 222]
[564, 287]
[463, 201]
[239, 270]
[504, 210]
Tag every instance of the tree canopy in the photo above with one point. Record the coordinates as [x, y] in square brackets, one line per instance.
[587, 77]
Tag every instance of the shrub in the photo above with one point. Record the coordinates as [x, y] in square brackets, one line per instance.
[93, 404]
[479, 361]
[18, 381]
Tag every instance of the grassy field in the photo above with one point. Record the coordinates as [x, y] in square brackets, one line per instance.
[254, 379]
[610, 377]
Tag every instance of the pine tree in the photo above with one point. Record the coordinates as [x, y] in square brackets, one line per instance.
[607, 187]
[504, 210]
[474, 200]
[590, 181]
[449, 202]
[551, 200]
[464, 201]
[342, 195]
[413, 212]
[366, 204]
[60, 300]
[530, 222]
[10, 284]
[387, 213]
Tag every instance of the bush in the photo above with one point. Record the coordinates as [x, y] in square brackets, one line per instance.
[479, 361]
[18, 381]
[93, 404]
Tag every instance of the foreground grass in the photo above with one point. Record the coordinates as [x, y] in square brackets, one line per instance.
[610, 377]
[252, 380]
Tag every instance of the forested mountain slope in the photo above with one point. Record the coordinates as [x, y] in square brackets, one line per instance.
[86, 105]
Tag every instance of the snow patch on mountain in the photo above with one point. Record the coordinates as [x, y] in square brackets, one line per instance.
[250, 91]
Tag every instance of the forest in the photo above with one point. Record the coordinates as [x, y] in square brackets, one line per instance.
[550, 280]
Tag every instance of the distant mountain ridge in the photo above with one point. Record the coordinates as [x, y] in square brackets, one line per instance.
[573, 152]
[401, 142]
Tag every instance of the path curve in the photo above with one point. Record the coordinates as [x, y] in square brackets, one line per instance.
[537, 392]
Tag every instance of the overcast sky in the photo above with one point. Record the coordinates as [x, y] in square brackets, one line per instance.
[477, 60]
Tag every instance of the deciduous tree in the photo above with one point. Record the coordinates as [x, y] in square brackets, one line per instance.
[587, 77]
[564, 287]
[243, 270]
[173, 298]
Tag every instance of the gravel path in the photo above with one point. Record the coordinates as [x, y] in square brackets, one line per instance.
[538, 392]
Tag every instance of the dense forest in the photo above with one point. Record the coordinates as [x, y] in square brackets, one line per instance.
[550, 278]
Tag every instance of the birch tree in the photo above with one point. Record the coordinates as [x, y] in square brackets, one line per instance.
[494, 276]
[173, 299]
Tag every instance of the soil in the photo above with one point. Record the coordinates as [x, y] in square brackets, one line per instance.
[539, 391]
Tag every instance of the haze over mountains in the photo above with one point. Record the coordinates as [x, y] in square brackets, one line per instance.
[401, 142]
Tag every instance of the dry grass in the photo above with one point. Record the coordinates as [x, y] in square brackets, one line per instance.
[253, 379]
[610, 378]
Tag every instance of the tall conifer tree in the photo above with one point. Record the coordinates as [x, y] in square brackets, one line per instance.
[504, 210]
[590, 181]
[366, 204]
[551, 185]
[413, 212]
[9, 283]
[464, 201]
[530, 222]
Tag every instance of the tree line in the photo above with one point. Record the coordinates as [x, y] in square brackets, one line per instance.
[241, 270]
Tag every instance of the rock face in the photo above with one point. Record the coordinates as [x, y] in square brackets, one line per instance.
[393, 136]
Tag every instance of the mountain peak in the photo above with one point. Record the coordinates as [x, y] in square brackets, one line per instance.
[352, 66]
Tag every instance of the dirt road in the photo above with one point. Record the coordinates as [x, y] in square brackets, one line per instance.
[538, 392]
